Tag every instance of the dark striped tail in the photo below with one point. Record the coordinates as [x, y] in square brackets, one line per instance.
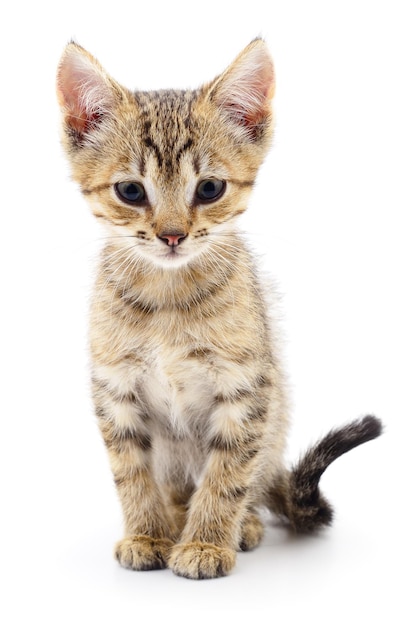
[304, 506]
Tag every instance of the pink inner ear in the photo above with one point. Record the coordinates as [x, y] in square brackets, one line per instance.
[82, 91]
[255, 105]
[246, 89]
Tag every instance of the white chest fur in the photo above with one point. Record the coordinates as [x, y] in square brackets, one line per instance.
[175, 391]
[178, 390]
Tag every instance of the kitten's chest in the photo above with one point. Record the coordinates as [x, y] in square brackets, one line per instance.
[177, 362]
[177, 388]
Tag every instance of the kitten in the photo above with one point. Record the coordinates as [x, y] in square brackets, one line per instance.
[187, 381]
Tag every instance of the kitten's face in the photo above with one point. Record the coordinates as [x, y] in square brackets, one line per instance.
[166, 172]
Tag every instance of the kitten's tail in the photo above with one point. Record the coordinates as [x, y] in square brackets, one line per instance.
[298, 496]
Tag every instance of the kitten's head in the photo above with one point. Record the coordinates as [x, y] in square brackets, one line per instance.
[171, 169]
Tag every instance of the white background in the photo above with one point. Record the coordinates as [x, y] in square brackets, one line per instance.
[331, 218]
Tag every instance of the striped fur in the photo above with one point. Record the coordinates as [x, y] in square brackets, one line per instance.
[188, 387]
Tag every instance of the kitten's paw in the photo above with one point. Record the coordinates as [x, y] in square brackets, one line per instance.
[201, 560]
[251, 533]
[141, 552]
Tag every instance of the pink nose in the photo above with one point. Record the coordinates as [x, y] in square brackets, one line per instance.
[172, 239]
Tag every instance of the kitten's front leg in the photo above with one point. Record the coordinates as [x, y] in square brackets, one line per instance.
[219, 507]
[149, 532]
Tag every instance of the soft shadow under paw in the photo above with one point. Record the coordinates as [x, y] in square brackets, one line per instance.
[140, 552]
[201, 560]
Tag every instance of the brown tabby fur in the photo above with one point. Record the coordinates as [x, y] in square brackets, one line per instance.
[188, 387]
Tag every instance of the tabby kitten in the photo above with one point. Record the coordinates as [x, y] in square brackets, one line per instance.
[187, 382]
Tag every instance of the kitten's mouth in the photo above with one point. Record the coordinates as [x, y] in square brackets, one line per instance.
[174, 257]
[172, 254]
[173, 250]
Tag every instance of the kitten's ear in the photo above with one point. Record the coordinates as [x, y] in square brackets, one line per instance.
[245, 90]
[85, 92]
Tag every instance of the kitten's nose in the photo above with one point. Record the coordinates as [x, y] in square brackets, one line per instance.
[172, 239]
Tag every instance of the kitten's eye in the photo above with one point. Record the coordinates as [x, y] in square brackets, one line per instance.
[210, 189]
[133, 193]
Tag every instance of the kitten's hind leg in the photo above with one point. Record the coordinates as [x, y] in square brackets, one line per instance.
[252, 531]
[179, 497]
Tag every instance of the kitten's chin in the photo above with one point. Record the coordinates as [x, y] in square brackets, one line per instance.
[170, 260]
[172, 263]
